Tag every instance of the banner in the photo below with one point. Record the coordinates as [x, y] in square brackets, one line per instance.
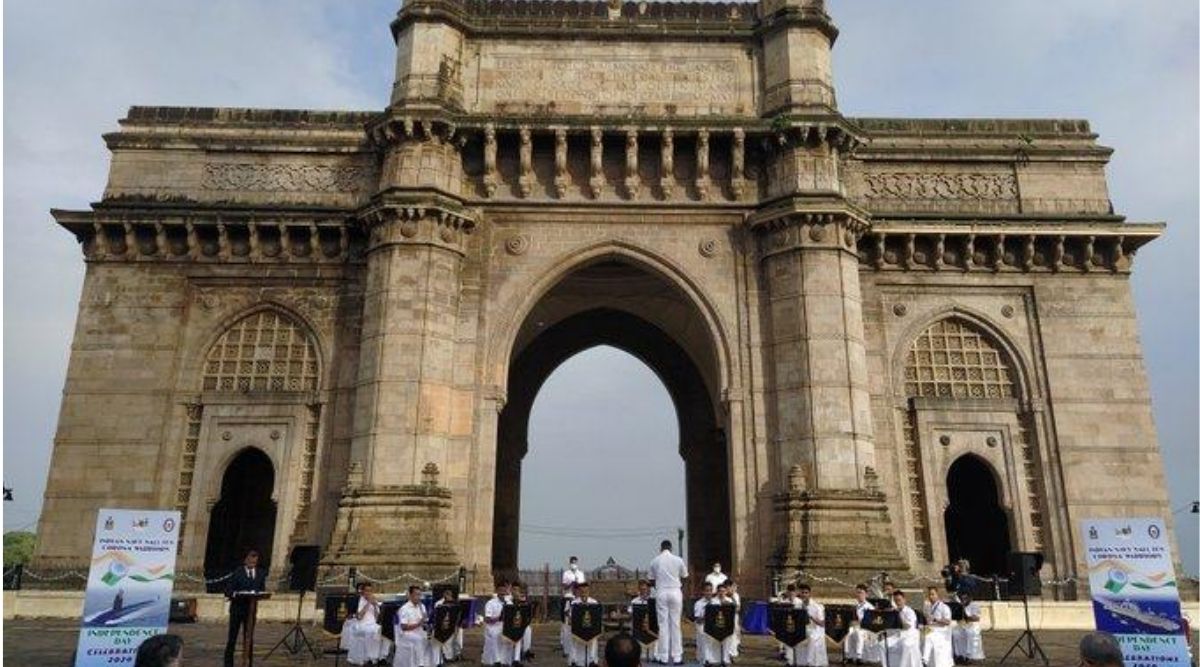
[1134, 594]
[129, 584]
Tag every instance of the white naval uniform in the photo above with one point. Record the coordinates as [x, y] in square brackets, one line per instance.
[735, 646]
[812, 652]
[648, 650]
[668, 572]
[569, 579]
[716, 579]
[519, 649]
[861, 644]
[492, 626]
[411, 645]
[583, 653]
[904, 646]
[708, 650]
[451, 649]
[967, 637]
[938, 650]
[362, 638]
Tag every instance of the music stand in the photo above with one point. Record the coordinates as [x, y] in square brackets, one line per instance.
[1027, 642]
[251, 618]
[880, 621]
[292, 639]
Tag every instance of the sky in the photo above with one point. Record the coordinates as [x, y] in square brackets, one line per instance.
[73, 67]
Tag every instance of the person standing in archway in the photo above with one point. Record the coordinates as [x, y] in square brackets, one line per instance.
[716, 577]
[571, 577]
[249, 578]
[667, 572]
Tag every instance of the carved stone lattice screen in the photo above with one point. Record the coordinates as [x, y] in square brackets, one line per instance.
[265, 351]
[953, 359]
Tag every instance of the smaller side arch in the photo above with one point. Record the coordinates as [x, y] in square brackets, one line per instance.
[978, 528]
[245, 513]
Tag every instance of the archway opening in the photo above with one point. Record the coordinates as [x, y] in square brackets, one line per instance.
[244, 517]
[603, 477]
[616, 304]
[976, 524]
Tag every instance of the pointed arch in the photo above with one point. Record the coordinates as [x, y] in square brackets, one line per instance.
[500, 350]
[264, 349]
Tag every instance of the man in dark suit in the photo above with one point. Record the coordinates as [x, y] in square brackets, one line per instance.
[249, 577]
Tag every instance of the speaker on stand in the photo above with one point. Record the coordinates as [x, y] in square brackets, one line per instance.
[1024, 579]
[302, 577]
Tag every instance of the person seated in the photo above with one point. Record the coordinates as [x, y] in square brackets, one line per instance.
[412, 642]
[622, 651]
[362, 636]
[1100, 649]
[968, 637]
[159, 651]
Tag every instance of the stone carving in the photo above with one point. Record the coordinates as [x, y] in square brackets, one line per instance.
[737, 183]
[667, 182]
[633, 183]
[489, 160]
[560, 163]
[517, 245]
[282, 177]
[596, 179]
[916, 185]
[702, 165]
[525, 180]
[708, 247]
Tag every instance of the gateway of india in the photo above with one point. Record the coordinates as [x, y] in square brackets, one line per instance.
[890, 342]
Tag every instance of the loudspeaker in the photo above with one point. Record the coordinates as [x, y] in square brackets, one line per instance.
[303, 575]
[1023, 569]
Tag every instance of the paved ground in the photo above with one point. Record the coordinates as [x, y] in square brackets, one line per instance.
[51, 643]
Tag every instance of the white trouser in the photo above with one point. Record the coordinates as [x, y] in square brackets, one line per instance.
[491, 644]
[967, 641]
[410, 649]
[668, 603]
[584, 653]
[364, 642]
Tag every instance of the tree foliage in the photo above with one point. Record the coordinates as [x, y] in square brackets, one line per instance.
[18, 547]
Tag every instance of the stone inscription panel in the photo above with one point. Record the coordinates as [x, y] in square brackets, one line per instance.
[575, 79]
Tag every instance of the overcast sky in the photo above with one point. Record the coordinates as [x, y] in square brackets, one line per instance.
[73, 67]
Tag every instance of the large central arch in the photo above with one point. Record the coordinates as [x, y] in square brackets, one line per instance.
[616, 302]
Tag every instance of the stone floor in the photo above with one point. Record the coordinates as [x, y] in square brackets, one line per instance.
[52, 642]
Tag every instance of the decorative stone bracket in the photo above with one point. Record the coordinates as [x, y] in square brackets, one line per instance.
[797, 230]
[435, 225]
[1000, 247]
[235, 238]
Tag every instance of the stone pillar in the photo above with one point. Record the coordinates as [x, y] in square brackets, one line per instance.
[832, 520]
[395, 518]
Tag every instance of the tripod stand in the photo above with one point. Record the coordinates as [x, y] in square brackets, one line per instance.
[1027, 642]
[295, 636]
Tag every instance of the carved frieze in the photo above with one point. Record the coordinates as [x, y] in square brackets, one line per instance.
[282, 177]
[933, 186]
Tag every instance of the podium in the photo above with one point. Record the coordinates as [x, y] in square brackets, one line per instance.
[251, 598]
